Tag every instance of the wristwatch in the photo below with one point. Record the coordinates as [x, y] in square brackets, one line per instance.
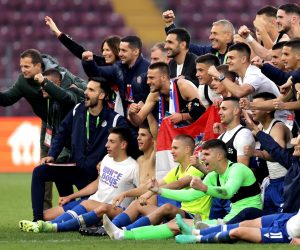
[221, 77]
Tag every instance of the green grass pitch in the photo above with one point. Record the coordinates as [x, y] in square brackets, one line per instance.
[15, 205]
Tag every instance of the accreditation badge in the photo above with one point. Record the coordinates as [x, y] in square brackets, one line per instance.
[48, 136]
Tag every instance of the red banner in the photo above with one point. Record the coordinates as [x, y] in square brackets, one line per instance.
[19, 143]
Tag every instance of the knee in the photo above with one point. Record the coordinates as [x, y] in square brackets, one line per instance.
[39, 171]
[235, 233]
[166, 208]
[104, 208]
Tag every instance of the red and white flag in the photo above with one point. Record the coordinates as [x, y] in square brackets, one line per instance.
[167, 131]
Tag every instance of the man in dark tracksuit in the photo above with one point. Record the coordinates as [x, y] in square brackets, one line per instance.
[129, 73]
[87, 125]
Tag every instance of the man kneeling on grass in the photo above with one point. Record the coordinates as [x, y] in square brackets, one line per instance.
[118, 173]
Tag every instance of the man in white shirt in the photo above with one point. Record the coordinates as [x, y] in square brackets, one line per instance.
[118, 172]
[207, 95]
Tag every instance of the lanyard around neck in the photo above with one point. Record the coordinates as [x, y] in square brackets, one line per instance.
[87, 124]
[225, 57]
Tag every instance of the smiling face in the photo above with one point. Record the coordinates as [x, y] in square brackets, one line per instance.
[145, 139]
[228, 111]
[283, 21]
[154, 80]
[219, 37]
[276, 58]
[127, 54]
[28, 69]
[179, 150]
[108, 54]
[234, 60]
[202, 73]
[289, 58]
[217, 86]
[173, 46]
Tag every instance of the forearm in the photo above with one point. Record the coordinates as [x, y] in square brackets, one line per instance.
[88, 190]
[59, 94]
[262, 154]
[260, 51]
[291, 105]
[179, 184]
[181, 195]
[264, 105]
[233, 88]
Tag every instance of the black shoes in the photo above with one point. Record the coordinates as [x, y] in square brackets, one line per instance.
[93, 231]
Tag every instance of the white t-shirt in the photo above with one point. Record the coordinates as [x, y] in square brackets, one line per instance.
[115, 178]
[243, 138]
[258, 81]
[211, 94]
[261, 83]
[179, 69]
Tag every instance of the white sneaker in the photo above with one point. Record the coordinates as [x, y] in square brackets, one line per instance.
[113, 231]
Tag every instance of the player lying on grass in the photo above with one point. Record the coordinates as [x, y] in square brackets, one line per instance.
[118, 173]
[274, 228]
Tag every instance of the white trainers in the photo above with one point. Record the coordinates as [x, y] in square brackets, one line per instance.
[113, 231]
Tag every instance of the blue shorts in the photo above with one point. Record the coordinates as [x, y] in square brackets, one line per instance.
[274, 228]
[71, 204]
[219, 208]
[273, 198]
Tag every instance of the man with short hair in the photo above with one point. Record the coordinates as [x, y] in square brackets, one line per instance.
[225, 180]
[273, 193]
[217, 85]
[128, 73]
[118, 173]
[236, 137]
[221, 37]
[175, 104]
[87, 125]
[252, 81]
[158, 53]
[288, 22]
[182, 63]
[276, 55]
[207, 96]
[177, 178]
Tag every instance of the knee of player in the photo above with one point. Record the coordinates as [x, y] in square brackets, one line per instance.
[166, 208]
[102, 209]
[235, 233]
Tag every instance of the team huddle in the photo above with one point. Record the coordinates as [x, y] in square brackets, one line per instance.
[101, 135]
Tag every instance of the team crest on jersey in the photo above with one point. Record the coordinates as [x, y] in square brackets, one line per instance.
[104, 124]
[139, 79]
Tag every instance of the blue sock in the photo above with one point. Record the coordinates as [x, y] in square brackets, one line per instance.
[217, 229]
[143, 221]
[70, 214]
[74, 224]
[221, 237]
[121, 220]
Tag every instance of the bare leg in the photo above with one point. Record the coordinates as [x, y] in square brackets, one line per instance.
[52, 213]
[107, 209]
[166, 211]
[251, 223]
[135, 209]
[250, 234]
